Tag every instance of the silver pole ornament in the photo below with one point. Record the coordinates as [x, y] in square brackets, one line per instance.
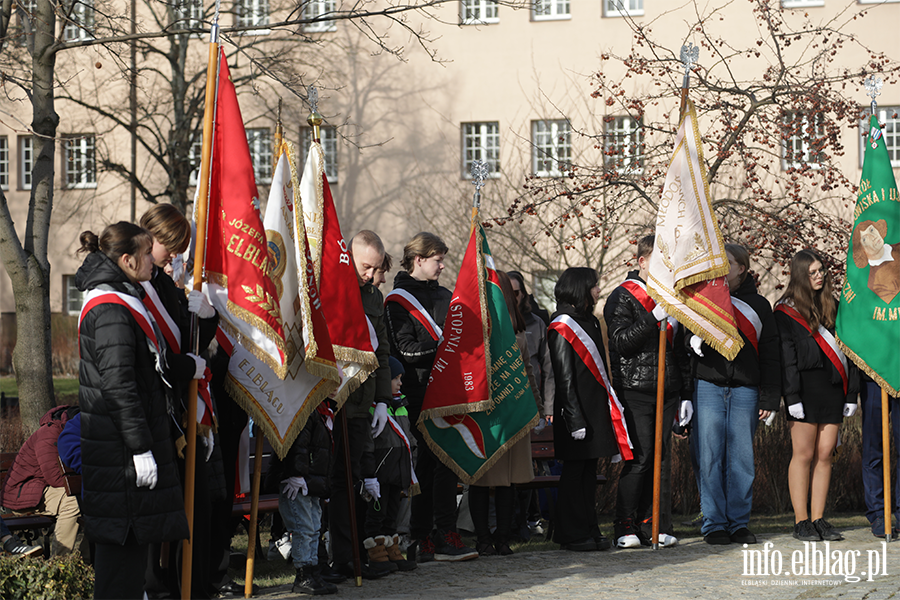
[873, 90]
[689, 55]
[479, 173]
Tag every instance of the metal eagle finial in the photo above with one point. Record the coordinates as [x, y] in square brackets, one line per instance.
[479, 173]
[689, 55]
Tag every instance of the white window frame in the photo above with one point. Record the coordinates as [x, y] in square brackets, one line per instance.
[623, 8]
[73, 298]
[480, 141]
[877, 1]
[81, 21]
[195, 155]
[25, 153]
[80, 162]
[626, 135]
[547, 147]
[25, 12]
[258, 15]
[316, 8]
[329, 142]
[191, 14]
[801, 142]
[551, 10]
[479, 12]
[889, 119]
[4, 162]
[259, 139]
[801, 3]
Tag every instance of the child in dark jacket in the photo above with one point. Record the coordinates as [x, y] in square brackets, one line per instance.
[393, 450]
[302, 482]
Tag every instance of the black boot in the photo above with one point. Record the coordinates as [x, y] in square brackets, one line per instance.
[330, 588]
[504, 503]
[307, 583]
[479, 508]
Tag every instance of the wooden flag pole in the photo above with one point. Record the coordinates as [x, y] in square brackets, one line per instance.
[886, 465]
[190, 455]
[657, 437]
[254, 510]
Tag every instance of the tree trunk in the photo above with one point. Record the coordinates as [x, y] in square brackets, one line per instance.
[31, 357]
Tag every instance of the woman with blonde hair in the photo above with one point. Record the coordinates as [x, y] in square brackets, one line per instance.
[819, 386]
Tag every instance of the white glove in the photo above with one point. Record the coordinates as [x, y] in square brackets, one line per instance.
[685, 412]
[796, 410]
[659, 312]
[145, 469]
[579, 434]
[379, 420]
[540, 426]
[199, 366]
[199, 304]
[209, 443]
[372, 488]
[850, 409]
[294, 484]
[771, 418]
[696, 342]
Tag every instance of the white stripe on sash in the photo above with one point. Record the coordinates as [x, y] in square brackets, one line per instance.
[750, 315]
[414, 306]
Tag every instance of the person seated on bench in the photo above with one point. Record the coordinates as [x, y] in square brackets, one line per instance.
[13, 545]
[35, 481]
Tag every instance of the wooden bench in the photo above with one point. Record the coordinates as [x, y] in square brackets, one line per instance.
[28, 526]
[268, 503]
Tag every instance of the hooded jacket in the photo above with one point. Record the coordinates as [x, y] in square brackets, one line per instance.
[634, 348]
[124, 412]
[410, 341]
[37, 462]
[749, 368]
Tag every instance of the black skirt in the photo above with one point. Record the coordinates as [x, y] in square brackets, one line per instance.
[823, 401]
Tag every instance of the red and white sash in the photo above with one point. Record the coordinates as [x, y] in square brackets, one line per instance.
[823, 338]
[639, 291]
[747, 321]
[399, 431]
[415, 308]
[172, 333]
[587, 350]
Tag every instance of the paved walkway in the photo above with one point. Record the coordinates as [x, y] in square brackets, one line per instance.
[693, 569]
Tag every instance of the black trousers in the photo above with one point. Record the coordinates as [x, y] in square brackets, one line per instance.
[381, 516]
[576, 506]
[435, 506]
[339, 506]
[119, 570]
[635, 496]
[504, 507]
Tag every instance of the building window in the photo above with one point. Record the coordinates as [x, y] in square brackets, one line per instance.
[329, 149]
[623, 8]
[547, 10]
[481, 141]
[624, 145]
[25, 14]
[551, 147]
[26, 161]
[74, 298]
[315, 9]
[4, 162]
[804, 139]
[195, 156]
[889, 119]
[81, 168]
[260, 142]
[477, 12]
[801, 3]
[191, 13]
[251, 13]
[80, 21]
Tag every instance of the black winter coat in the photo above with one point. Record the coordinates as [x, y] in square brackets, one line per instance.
[123, 413]
[749, 368]
[309, 457]
[634, 348]
[580, 401]
[410, 341]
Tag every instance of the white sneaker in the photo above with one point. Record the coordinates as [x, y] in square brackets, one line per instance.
[666, 540]
[628, 541]
[280, 547]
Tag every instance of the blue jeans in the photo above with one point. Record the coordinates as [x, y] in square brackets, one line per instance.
[872, 470]
[302, 516]
[725, 420]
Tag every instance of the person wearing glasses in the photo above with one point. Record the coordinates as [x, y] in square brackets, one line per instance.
[819, 386]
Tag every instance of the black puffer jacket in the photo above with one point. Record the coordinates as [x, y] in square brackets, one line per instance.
[749, 368]
[410, 341]
[581, 401]
[634, 348]
[123, 413]
[309, 457]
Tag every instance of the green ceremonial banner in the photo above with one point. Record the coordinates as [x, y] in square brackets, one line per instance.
[471, 415]
[868, 318]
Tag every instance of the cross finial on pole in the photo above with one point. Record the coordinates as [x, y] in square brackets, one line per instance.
[689, 55]
[873, 89]
[479, 173]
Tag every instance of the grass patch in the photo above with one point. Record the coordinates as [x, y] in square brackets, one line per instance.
[63, 386]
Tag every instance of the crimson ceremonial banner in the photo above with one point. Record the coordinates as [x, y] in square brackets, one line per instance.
[689, 264]
[339, 289]
[237, 259]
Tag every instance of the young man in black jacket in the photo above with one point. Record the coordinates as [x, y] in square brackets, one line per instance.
[632, 320]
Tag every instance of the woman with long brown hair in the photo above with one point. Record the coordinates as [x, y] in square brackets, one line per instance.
[819, 386]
